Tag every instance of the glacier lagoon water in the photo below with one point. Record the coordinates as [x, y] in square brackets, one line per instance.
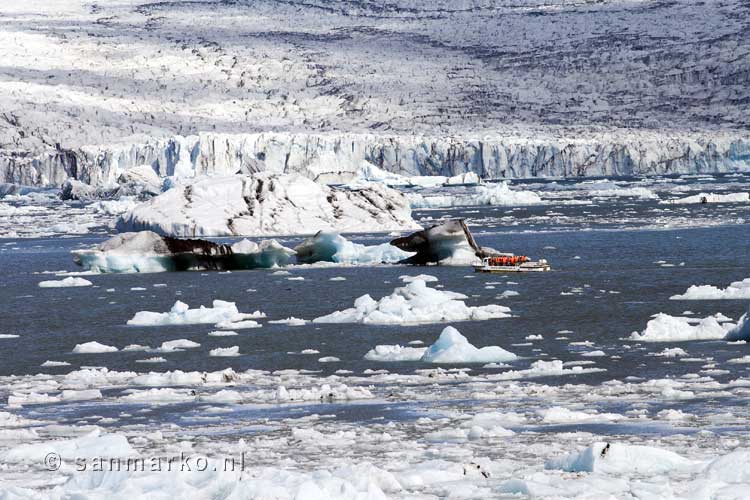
[618, 279]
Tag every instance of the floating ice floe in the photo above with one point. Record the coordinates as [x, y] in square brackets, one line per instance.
[222, 312]
[93, 348]
[427, 278]
[268, 204]
[543, 368]
[711, 198]
[155, 359]
[225, 351]
[617, 458]
[561, 415]
[735, 290]
[666, 328]
[325, 392]
[54, 364]
[177, 345]
[148, 252]
[94, 444]
[414, 303]
[332, 247]
[65, 283]
[290, 321]
[163, 395]
[387, 353]
[498, 194]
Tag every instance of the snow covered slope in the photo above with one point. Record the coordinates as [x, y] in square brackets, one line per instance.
[507, 88]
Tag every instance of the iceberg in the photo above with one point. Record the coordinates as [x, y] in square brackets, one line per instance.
[387, 353]
[146, 252]
[412, 304]
[703, 198]
[666, 328]
[225, 352]
[452, 347]
[93, 348]
[222, 312]
[735, 290]
[496, 195]
[267, 204]
[742, 330]
[332, 247]
[449, 243]
[617, 458]
[65, 283]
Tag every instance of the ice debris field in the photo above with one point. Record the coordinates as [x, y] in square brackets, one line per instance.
[334, 372]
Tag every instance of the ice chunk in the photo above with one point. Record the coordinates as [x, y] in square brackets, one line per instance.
[64, 283]
[498, 194]
[181, 314]
[616, 458]
[427, 278]
[560, 415]
[414, 303]
[291, 321]
[155, 359]
[92, 445]
[542, 368]
[452, 347]
[53, 364]
[268, 204]
[93, 348]
[711, 198]
[742, 330]
[225, 351]
[666, 328]
[177, 345]
[736, 290]
[332, 247]
[395, 353]
[159, 395]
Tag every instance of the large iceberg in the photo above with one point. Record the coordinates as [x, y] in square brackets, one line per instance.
[268, 204]
[449, 243]
[332, 247]
[666, 328]
[146, 251]
[735, 290]
[414, 303]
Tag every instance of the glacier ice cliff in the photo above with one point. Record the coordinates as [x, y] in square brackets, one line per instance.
[338, 158]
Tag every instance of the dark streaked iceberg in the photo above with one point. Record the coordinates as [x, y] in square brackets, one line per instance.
[147, 251]
[449, 243]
